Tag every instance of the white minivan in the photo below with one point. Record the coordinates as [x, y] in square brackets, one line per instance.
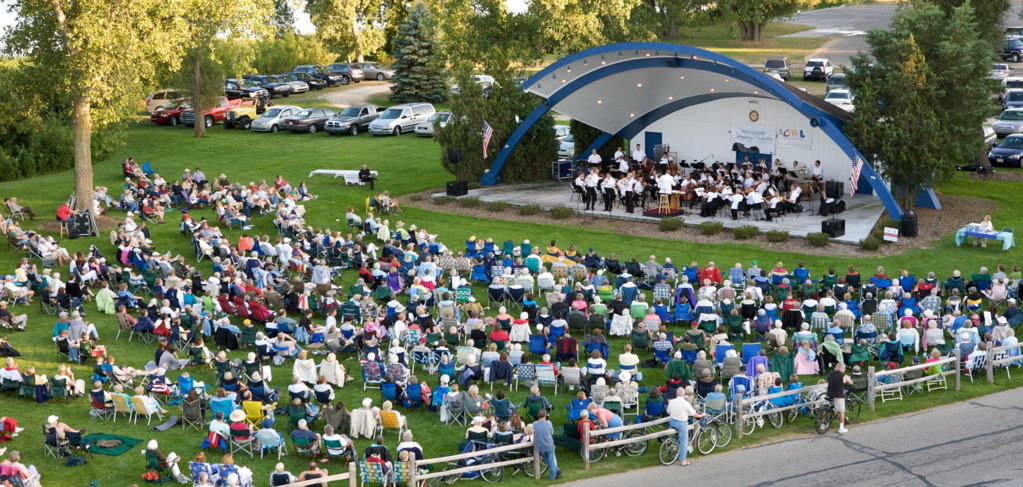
[401, 118]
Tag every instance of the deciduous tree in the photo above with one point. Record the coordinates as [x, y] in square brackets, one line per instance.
[752, 16]
[99, 62]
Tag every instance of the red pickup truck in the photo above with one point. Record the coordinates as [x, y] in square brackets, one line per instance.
[211, 115]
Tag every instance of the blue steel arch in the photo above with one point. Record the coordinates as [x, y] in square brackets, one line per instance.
[686, 57]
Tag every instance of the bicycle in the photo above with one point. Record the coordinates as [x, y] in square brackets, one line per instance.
[705, 441]
[634, 449]
[823, 415]
[853, 406]
[486, 472]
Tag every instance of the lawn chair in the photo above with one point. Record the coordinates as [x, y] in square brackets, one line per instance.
[373, 473]
[269, 442]
[306, 447]
[242, 441]
[141, 409]
[525, 373]
[191, 415]
[391, 420]
[372, 375]
[545, 376]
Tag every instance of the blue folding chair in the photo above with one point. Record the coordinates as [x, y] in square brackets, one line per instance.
[719, 353]
[749, 350]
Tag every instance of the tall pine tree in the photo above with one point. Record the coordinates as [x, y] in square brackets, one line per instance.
[418, 72]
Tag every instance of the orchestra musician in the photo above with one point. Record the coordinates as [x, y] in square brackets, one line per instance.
[592, 181]
[608, 189]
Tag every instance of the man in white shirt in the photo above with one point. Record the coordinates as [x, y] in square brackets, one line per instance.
[591, 182]
[619, 154]
[629, 186]
[594, 159]
[679, 410]
[608, 189]
[638, 155]
[664, 183]
[628, 360]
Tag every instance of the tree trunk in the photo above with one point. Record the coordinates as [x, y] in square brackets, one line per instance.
[198, 105]
[355, 40]
[81, 133]
[746, 30]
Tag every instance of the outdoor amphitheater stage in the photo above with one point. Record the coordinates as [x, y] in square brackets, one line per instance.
[862, 211]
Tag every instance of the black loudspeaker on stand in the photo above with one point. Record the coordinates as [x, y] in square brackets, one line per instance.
[458, 188]
[834, 227]
[834, 189]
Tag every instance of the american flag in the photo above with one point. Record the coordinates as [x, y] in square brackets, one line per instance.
[488, 133]
[854, 178]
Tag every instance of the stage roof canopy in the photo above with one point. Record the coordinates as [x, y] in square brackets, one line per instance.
[636, 79]
[623, 88]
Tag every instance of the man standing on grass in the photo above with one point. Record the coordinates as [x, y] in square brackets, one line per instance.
[543, 435]
[837, 380]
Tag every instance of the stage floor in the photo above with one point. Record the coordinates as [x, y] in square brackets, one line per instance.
[862, 211]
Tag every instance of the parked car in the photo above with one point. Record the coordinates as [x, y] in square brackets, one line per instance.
[171, 114]
[837, 81]
[375, 71]
[159, 99]
[242, 116]
[273, 85]
[779, 66]
[313, 82]
[818, 68]
[243, 88]
[1007, 152]
[437, 120]
[309, 120]
[841, 98]
[297, 85]
[1008, 122]
[401, 118]
[484, 80]
[214, 114]
[566, 150]
[1013, 50]
[562, 131]
[990, 139]
[319, 72]
[273, 119]
[1013, 99]
[353, 119]
[351, 72]
[999, 71]
[1010, 83]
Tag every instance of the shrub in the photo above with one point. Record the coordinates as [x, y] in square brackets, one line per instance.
[470, 202]
[776, 235]
[889, 222]
[496, 206]
[711, 228]
[416, 197]
[745, 232]
[877, 233]
[818, 239]
[560, 213]
[444, 200]
[526, 210]
[870, 243]
[670, 224]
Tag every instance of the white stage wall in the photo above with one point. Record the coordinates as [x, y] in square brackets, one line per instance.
[697, 132]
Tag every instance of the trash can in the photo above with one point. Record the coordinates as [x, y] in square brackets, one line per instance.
[909, 225]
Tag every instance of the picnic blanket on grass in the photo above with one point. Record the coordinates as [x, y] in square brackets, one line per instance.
[126, 443]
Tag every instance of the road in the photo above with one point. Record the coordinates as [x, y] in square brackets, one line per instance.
[965, 444]
[847, 27]
[358, 94]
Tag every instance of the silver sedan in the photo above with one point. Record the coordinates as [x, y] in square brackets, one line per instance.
[376, 71]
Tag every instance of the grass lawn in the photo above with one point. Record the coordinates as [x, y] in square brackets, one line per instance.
[407, 164]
